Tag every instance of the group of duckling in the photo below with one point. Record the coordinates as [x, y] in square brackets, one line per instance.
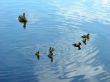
[50, 56]
[23, 19]
[85, 38]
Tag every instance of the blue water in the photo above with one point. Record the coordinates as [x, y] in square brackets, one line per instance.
[59, 24]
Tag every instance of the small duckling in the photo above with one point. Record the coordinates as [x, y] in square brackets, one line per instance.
[51, 53]
[86, 36]
[37, 54]
[84, 40]
[77, 45]
[51, 50]
[22, 18]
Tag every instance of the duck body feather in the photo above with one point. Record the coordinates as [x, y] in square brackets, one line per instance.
[22, 19]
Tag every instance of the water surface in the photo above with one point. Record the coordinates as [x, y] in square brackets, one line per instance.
[59, 24]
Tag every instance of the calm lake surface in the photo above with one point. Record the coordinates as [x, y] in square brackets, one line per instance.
[59, 24]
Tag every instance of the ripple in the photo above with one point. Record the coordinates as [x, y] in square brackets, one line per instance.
[58, 24]
[72, 63]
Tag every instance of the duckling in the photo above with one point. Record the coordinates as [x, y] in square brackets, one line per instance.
[51, 50]
[51, 53]
[86, 36]
[84, 40]
[77, 45]
[22, 18]
[37, 54]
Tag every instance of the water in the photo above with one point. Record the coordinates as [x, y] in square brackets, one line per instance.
[57, 23]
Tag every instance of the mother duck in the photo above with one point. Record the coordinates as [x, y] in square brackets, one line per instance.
[22, 18]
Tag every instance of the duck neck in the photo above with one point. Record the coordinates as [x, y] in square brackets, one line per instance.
[23, 14]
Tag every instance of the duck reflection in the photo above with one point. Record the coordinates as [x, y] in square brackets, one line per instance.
[84, 41]
[37, 54]
[51, 55]
[24, 25]
[85, 38]
[23, 19]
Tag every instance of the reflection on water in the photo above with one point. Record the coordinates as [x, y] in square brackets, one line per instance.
[58, 23]
[24, 24]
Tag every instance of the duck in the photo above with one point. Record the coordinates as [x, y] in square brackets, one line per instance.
[22, 18]
[77, 45]
[37, 54]
[51, 50]
[86, 36]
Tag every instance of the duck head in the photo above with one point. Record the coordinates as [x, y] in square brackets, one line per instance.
[51, 50]
[88, 36]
